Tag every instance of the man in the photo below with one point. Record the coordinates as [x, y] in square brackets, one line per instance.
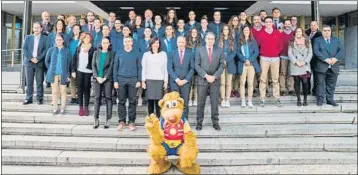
[71, 22]
[209, 63]
[277, 20]
[263, 15]
[90, 23]
[181, 70]
[203, 30]
[257, 26]
[293, 23]
[313, 33]
[127, 77]
[287, 34]
[62, 17]
[329, 51]
[131, 16]
[111, 21]
[34, 50]
[97, 33]
[47, 27]
[148, 14]
[216, 25]
[270, 44]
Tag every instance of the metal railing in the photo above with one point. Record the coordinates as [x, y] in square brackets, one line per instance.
[11, 57]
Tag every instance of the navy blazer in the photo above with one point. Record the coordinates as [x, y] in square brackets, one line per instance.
[85, 28]
[163, 44]
[322, 50]
[212, 27]
[254, 52]
[188, 27]
[181, 71]
[28, 48]
[184, 33]
[48, 29]
[230, 61]
[142, 46]
[139, 34]
[160, 34]
[97, 38]
[51, 62]
[202, 36]
[51, 40]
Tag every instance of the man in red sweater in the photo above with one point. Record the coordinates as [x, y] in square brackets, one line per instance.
[270, 44]
[257, 27]
[287, 34]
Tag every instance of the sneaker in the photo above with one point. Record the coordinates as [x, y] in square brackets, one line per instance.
[121, 126]
[190, 103]
[249, 103]
[140, 102]
[227, 104]
[62, 112]
[195, 103]
[132, 127]
[55, 112]
[223, 104]
[243, 103]
[278, 103]
[262, 103]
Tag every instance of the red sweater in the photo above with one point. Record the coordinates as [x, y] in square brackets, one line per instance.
[286, 40]
[270, 44]
[255, 33]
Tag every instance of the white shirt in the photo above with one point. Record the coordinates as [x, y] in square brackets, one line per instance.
[154, 66]
[83, 62]
[36, 45]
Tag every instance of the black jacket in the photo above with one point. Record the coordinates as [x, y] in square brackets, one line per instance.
[108, 65]
[75, 60]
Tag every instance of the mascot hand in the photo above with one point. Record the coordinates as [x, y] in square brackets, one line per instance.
[151, 121]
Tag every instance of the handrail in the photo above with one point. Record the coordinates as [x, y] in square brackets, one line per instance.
[12, 55]
[10, 50]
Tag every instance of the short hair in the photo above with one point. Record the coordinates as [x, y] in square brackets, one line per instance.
[276, 8]
[293, 17]
[217, 12]
[210, 33]
[287, 20]
[327, 26]
[113, 13]
[88, 34]
[127, 37]
[90, 12]
[37, 23]
[204, 18]
[268, 17]
[262, 11]
[151, 42]
[183, 37]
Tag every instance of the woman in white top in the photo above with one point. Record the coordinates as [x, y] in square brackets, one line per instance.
[82, 71]
[154, 75]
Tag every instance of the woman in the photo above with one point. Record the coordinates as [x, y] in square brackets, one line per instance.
[171, 18]
[74, 43]
[192, 23]
[138, 30]
[169, 43]
[59, 28]
[193, 43]
[143, 45]
[83, 21]
[158, 29]
[243, 21]
[235, 30]
[154, 75]
[227, 43]
[57, 61]
[247, 52]
[300, 54]
[82, 71]
[102, 68]
[180, 31]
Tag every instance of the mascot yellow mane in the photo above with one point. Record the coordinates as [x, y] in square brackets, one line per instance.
[171, 135]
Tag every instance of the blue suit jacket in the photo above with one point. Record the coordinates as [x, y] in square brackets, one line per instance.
[188, 27]
[254, 52]
[181, 71]
[85, 28]
[163, 44]
[202, 36]
[322, 50]
[160, 34]
[142, 46]
[139, 34]
[28, 48]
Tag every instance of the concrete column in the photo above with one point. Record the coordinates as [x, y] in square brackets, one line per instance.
[302, 21]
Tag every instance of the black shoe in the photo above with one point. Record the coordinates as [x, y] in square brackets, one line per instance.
[333, 103]
[73, 101]
[48, 85]
[291, 93]
[108, 122]
[314, 94]
[26, 102]
[40, 102]
[282, 93]
[305, 103]
[299, 103]
[309, 93]
[76, 101]
[217, 127]
[96, 124]
[319, 103]
[199, 127]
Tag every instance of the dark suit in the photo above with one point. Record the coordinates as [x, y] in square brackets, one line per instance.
[182, 71]
[105, 86]
[216, 68]
[314, 59]
[46, 29]
[327, 75]
[86, 28]
[32, 69]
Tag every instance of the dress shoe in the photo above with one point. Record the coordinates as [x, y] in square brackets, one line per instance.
[217, 127]
[291, 93]
[40, 102]
[108, 122]
[85, 111]
[26, 102]
[80, 111]
[199, 127]
[305, 103]
[319, 103]
[48, 85]
[96, 123]
[299, 103]
[333, 103]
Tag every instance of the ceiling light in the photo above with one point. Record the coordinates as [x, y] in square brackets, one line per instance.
[290, 2]
[221, 8]
[127, 8]
[39, 2]
[176, 8]
[320, 2]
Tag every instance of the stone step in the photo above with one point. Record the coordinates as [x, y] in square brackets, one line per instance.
[303, 144]
[231, 131]
[238, 119]
[93, 158]
[250, 169]
[288, 108]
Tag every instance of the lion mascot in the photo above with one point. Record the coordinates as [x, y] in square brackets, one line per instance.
[171, 135]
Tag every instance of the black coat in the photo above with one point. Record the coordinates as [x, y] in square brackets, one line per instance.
[75, 61]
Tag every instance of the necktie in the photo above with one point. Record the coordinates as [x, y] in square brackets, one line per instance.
[146, 43]
[217, 30]
[276, 24]
[169, 45]
[210, 55]
[311, 35]
[327, 40]
[181, 56]
[90, 29]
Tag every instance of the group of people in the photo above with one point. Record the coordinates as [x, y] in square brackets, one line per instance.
[196, 59]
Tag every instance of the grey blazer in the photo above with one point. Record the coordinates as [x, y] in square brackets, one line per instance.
[299, 54]
[202, 65]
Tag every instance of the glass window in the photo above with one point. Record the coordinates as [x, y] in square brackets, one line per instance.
[352, 19]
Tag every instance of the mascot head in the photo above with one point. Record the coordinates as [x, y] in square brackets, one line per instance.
[172, 107]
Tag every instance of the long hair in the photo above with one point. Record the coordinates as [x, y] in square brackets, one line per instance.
[87, 34]
[165, 32]
[175, 20]
[134, 26]
[307, 39]
[151, 42]
[242, 36]
[110, 45]
[230, 23]
[229, 37]
[190, 43]
[63, 24]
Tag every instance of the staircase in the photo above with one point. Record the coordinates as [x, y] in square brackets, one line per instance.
[300, 140]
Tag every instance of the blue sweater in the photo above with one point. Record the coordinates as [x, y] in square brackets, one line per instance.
[127, 64]
[115, 37]
[51, 64]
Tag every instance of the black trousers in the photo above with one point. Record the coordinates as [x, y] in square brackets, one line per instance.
[326, 82]
[127, 90]
[184, 92]
[38, 73]
[83, 81]
[305, 84]
[214, 93]
[105, 87]
[153, 105]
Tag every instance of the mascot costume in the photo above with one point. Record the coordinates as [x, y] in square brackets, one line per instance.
[171, 135]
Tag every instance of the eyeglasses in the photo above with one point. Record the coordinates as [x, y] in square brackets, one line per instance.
[326, 30]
